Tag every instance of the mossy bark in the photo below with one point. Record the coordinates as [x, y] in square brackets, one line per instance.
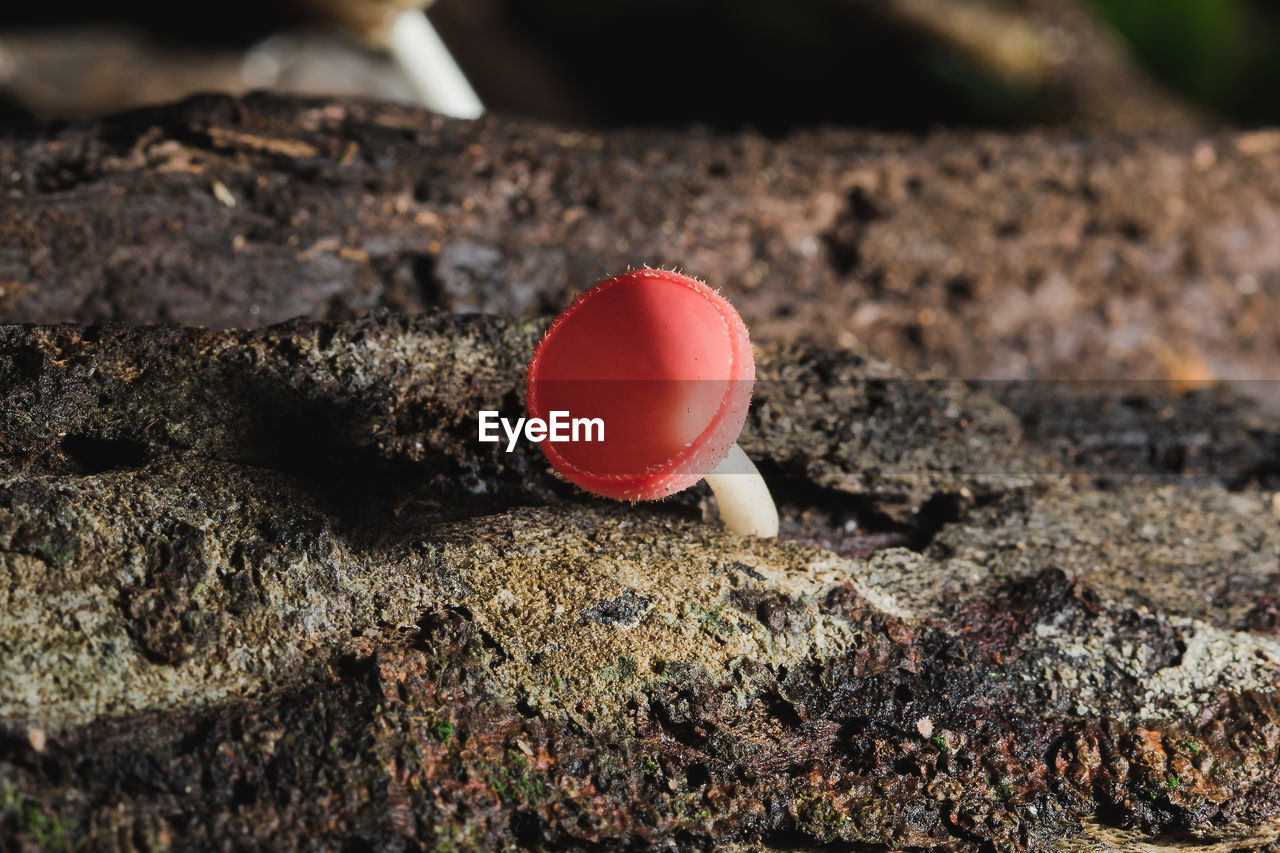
[266, 588]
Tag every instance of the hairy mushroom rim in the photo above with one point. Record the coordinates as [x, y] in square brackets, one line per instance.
[665, 362]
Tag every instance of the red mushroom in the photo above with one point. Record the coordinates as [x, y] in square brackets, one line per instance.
[665, 364]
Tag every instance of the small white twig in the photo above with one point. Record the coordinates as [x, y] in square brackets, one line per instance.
[429, 67]
[746, 507]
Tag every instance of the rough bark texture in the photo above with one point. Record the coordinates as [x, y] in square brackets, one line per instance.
[264, 588]
[267, 586]
[976, 254]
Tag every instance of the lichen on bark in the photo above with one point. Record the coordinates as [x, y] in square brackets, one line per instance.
[266, 585]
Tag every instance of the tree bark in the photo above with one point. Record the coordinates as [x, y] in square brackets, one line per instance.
[976, 254]
[264, 585]
[264, 588]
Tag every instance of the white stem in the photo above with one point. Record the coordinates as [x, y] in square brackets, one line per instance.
[746, 507]
[430, 69]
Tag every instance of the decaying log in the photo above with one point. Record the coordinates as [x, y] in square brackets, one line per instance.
[1035, 254]
[266, 586]
[263, 586]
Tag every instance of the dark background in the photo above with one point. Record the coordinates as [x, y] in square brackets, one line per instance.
[726, 63]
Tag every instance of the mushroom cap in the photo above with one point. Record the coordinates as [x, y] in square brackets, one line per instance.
[665, 362]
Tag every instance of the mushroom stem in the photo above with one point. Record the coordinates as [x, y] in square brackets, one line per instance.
[746, 507]
[430, 69]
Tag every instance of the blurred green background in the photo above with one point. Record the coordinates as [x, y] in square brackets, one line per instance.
[776, 66]
[1223, 54]
[890, 64]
